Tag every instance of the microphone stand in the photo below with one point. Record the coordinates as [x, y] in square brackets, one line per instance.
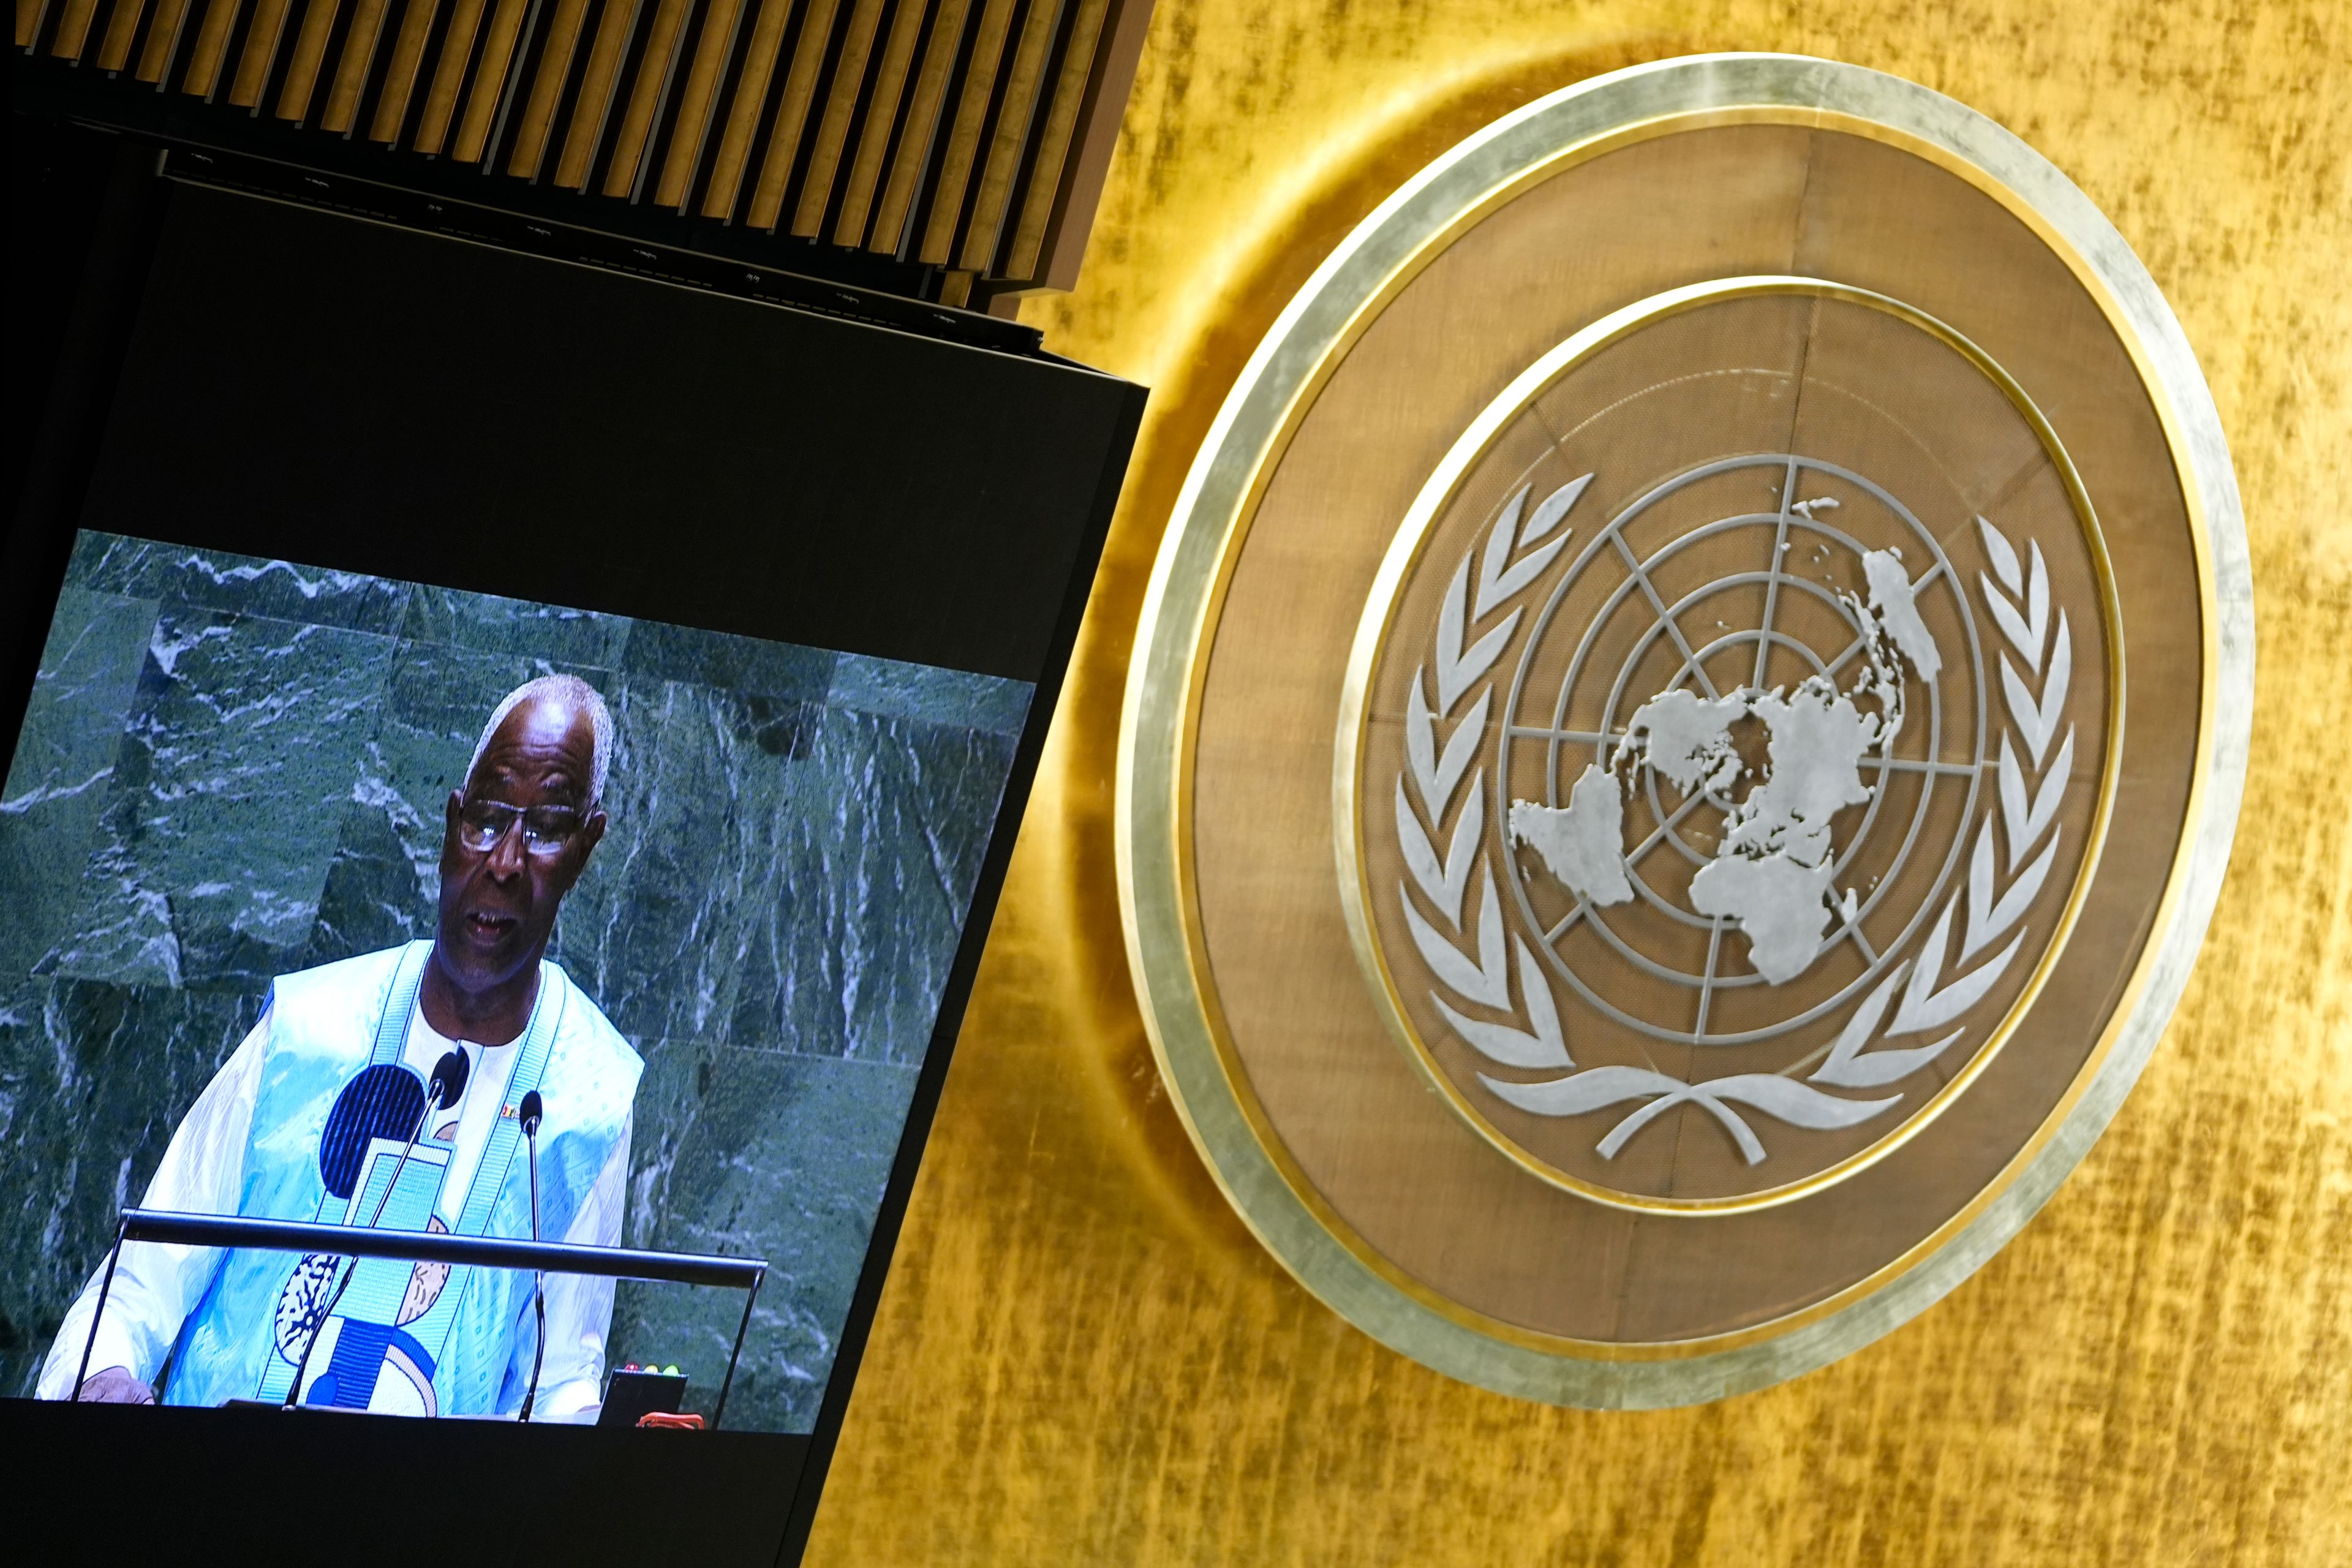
[531, 1112]
[445, 1072]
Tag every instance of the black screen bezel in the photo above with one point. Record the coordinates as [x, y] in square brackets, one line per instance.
[127, 418]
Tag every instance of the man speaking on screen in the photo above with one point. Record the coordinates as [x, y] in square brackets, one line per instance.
[387, 1091]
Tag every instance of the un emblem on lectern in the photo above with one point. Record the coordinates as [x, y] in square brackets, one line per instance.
[1736, 785]
[1684, 731]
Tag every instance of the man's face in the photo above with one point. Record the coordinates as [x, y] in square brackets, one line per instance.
[499, 904]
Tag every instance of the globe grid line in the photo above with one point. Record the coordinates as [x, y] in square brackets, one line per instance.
[1772, 574]
[1697, 536]
[1788, 462]
[1535, 1040]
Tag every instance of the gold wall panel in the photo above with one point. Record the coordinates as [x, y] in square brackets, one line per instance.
[1082, 1356]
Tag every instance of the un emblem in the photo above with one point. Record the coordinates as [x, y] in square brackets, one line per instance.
[1737, 787]
[1685, 731]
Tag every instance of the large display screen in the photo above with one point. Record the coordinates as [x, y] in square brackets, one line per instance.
[276, 839]
[506, 748]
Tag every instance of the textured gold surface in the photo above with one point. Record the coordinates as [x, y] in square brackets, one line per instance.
[1082, 1356]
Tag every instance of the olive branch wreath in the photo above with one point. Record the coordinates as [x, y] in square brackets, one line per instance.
[1535, 1041]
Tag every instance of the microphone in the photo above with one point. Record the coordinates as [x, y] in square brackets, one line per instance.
[448, 1083]
[533, 1108]
[451, 1072]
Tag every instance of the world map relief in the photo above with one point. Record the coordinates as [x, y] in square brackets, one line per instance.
[1774, 865]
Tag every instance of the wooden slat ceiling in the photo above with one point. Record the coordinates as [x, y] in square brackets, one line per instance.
[966, 135]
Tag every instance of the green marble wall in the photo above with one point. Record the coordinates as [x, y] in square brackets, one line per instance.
[232, 769]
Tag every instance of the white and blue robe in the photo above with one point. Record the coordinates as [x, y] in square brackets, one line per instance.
[219, 1324]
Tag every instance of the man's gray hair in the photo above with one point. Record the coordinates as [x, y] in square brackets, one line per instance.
[578, 695]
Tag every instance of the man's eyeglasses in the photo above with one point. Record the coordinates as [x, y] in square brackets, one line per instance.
[546, 829]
